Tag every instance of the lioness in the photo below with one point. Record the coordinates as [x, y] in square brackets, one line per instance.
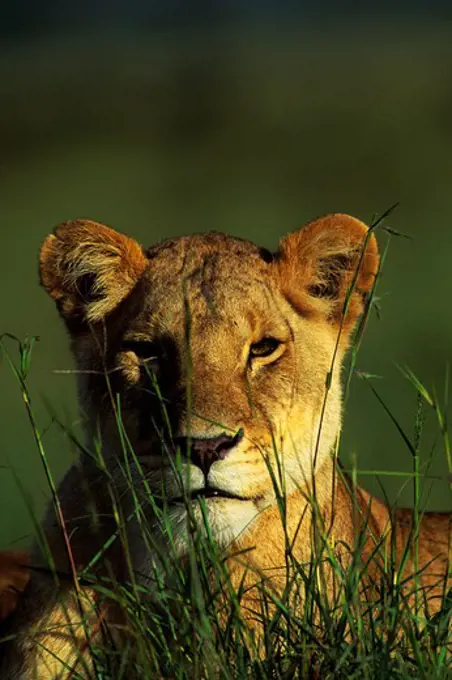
[226, 358]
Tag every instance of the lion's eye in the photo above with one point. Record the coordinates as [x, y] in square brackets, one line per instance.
[144, 349]
[264, 348]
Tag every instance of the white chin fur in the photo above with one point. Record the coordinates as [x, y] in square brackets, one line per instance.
[227, 519]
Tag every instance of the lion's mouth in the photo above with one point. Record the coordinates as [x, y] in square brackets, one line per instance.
[208, 492]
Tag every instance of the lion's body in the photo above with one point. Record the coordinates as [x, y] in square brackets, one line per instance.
[246, 349]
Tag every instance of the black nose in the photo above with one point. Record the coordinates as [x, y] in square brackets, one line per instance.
[205, 452]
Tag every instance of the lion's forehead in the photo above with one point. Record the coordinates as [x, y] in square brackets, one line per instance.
[207, 260]
[192, 250]
[211, 307]
[209, 278]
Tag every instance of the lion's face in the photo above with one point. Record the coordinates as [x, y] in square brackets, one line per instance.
[219, 351]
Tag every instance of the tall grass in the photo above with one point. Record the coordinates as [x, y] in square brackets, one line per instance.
[184, 619]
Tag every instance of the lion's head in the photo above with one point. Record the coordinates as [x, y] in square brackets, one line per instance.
[217, 349]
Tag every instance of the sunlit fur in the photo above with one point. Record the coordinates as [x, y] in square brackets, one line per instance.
[203, 301]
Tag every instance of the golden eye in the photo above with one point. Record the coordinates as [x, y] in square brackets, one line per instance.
[264, 348]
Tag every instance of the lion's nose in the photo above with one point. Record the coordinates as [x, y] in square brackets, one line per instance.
[205, 452]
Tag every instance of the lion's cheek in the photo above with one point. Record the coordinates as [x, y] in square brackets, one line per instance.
[249, 477]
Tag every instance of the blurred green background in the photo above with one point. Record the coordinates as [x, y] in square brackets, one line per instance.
[251, 123]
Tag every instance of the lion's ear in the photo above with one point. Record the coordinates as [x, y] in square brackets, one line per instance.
[14, 576]
[318, 264]
[88, 269]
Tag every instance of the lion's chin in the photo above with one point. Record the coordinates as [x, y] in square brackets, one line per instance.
[227, 520]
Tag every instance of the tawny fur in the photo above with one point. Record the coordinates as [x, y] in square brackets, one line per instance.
[203, 301]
